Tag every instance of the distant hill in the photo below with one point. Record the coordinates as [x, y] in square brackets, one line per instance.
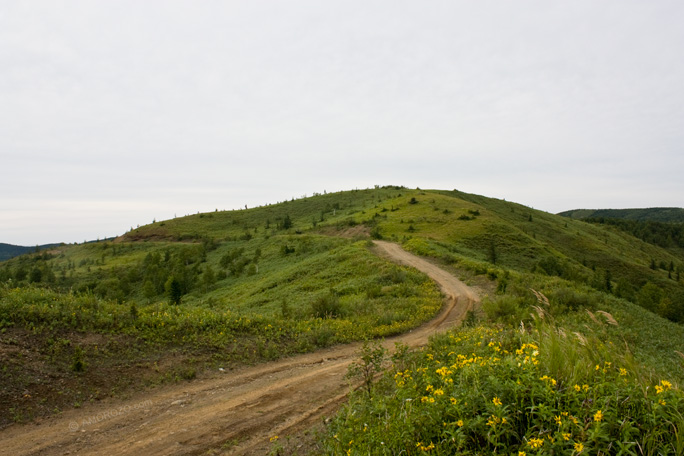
[8, 251]
[653, 214]
[661, 226]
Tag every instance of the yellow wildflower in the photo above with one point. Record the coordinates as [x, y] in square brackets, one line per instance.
[598, 416]
[459, 423]
[535, 443]
[496, 401]
[579, 447]
[577, 388]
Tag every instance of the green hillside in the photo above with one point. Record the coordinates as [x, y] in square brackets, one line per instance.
[652, 214]
[663, 227]
[164, 301]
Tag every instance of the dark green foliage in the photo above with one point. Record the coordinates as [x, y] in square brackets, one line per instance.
[234, 262]
[133, 311]
[36, 275]
[78, 364]
[653, 214]
[470, 320]
[285, 308]
[20, 274]
[209, 277]
[149, 290]
[666, 235]
[174, 290]
[493, 255]
[286, 223]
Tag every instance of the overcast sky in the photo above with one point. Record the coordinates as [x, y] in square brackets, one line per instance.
[115, 113]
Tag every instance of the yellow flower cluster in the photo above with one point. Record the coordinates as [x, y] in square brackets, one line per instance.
[548, 379]
[494, 420]
[530, 353]
[535, 443]
[425, 448]
[598, 416]
[663, 386]
[401, 378]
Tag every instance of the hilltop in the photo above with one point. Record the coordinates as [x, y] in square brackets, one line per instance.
[164, 302]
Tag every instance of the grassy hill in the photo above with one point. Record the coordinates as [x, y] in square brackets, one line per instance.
[164, 301]
[652, 214]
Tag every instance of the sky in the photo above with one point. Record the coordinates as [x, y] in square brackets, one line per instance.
[117, 113]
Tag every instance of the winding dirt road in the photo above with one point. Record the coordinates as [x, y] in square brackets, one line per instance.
[233, 413]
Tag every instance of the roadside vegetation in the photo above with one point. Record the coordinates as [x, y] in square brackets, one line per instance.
[561, 380]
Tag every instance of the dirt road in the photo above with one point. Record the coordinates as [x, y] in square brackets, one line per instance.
[233, 413]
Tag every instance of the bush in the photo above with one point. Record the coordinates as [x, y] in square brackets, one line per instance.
[327, 306]
[506, 309]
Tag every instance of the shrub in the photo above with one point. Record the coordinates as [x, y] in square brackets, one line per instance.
[506, 309]
[327, 306]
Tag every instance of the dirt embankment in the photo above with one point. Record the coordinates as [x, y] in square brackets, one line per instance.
[234, 412]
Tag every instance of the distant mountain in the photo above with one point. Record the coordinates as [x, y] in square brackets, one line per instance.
[8, 251]
[653, 214]
[661, 226]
